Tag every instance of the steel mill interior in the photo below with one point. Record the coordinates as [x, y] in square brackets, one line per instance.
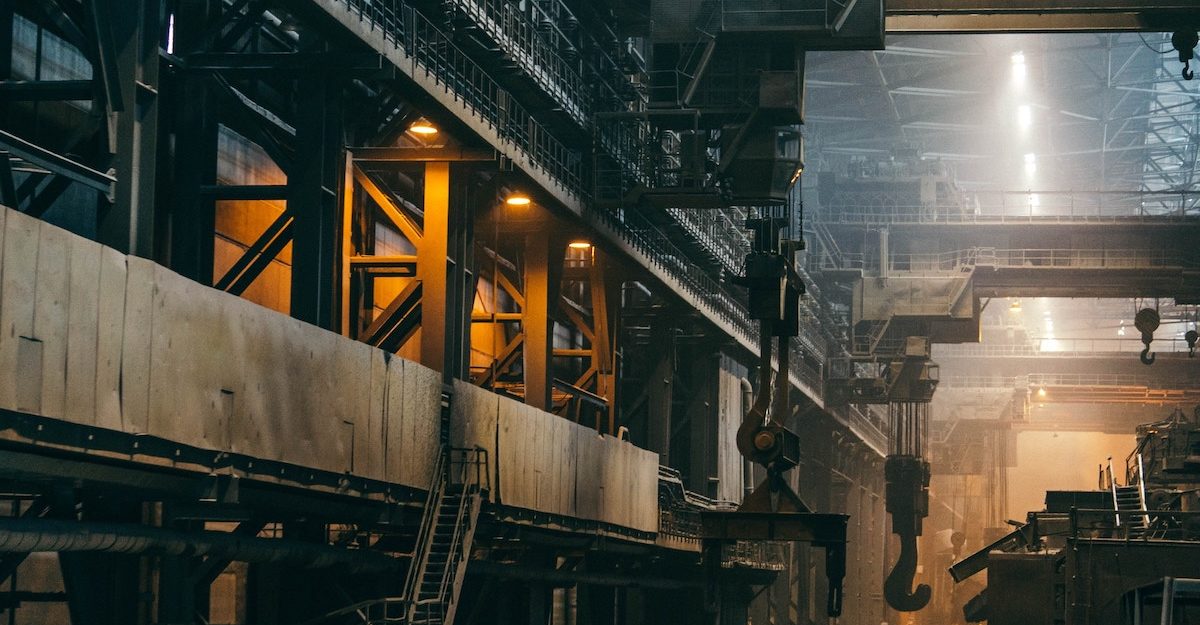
[599, 312]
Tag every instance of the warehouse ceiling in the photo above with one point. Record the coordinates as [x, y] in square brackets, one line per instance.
[1065, 112]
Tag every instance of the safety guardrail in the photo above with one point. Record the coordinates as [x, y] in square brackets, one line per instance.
[1061, 348]
[1066, 258]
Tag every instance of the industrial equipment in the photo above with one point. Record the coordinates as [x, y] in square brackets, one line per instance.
[773, 511]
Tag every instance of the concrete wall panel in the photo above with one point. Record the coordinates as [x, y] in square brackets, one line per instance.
[110, 330]
[17, 290]
[135, 346]
[473, 423]
[83, 327]
[52, 294]
[422, 417]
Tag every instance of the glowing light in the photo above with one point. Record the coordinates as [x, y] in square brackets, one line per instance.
[1042, 391]
[579, 245]
[1121, 331]
[517, 199]
[1015, 306]
[1030, 164]
[1035, 200]
[1018, 66]
[423, 127]
[1024, 117]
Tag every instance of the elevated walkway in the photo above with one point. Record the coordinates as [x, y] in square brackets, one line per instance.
[921, 219]
[428, 58]
[1082, 388]
[1050, 272]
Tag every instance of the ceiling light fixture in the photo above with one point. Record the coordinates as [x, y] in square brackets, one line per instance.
[423, 127]
[517, 199]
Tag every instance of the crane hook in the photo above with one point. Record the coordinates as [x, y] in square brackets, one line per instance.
[1191, 336]
[907, 498]
[1146, 357]
[1187, 73]
[896, 588]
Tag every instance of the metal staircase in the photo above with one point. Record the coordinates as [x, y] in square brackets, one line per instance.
[1130, 500]
[443, 547]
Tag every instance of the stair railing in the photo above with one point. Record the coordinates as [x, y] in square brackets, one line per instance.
[471, 473]
[1141, 483]
[1112, 485]
[416, 570]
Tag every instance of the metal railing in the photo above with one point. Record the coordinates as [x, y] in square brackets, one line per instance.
[760, 555]
[469, 470]
[518, 36]
[767, 15]
[1060, 348]
[431, 52]
[1066, 258]
[932, 215]
[1049, 379]
[1164, 525]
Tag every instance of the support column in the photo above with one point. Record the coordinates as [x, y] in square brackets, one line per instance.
[660, 390]
[192, 121]
[701, 414]
[460, 269]
[432, 261]
[543, 274]
[132, 44]
[602, 341]
[312, 185]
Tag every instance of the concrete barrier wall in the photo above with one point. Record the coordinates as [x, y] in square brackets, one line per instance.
[545, 463]
[92, 336]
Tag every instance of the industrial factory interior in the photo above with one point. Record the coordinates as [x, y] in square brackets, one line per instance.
[599, 312]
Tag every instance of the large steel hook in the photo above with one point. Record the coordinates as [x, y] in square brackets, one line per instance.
[898, 588]
[1146, 320]
[1191, 336]
[908, 503]
[1184, 42]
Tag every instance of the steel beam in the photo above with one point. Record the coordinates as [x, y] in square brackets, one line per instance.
[399, 154]
[258, 256]
[245, 192]
[57, 164]
[264, 64]
[1037, 16]
[34, 90]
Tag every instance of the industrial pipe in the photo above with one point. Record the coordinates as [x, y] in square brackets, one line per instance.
[747, 464]
[50, 535]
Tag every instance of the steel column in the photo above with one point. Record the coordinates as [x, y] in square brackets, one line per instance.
[312, 184]
[432, 265]
[194, 158]
[660, 389]
[543, 270]
[129, 225]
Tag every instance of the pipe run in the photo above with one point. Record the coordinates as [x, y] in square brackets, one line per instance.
[49, 535]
